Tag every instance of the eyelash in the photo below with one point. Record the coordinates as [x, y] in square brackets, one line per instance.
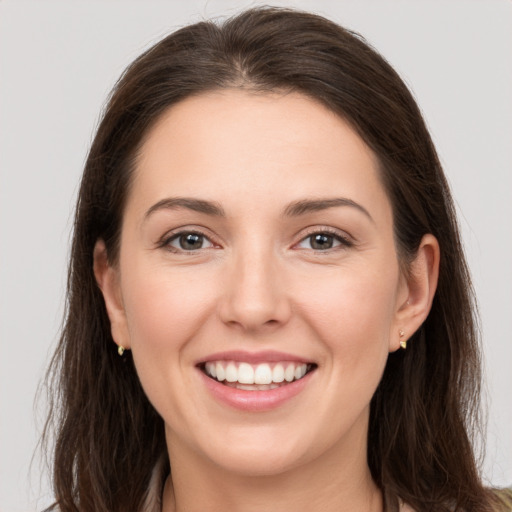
[166, 241]
[344, 242]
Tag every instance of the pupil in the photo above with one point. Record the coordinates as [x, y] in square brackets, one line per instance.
[321, 241]
[191, 241]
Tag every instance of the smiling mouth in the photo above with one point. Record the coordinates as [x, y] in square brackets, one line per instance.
[256, 377]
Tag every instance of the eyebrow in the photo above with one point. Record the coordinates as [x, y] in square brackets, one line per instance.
[197, 205]
[304, 206]
[294, 209]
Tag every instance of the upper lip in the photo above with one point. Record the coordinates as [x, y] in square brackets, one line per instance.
[266, 356]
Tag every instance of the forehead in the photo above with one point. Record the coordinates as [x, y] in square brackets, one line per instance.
[254, 149]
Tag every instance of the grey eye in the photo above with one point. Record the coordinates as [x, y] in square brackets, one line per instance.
[321, 241]
[189, 242]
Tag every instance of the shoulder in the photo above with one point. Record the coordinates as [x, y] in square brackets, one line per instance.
[505, 499]
[502, 502]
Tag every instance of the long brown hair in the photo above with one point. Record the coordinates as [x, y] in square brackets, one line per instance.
[425, 410]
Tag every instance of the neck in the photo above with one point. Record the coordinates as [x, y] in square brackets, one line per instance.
[257, 495]
[337, 481]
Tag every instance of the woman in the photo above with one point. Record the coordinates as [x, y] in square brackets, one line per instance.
[268, 301]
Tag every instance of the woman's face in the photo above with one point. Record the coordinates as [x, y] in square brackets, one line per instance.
[256, 245]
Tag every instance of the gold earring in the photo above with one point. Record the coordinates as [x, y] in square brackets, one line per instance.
[403, 343]
[120, 350]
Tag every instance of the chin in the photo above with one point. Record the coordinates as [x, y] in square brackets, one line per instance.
[259, 453]
[259, 463]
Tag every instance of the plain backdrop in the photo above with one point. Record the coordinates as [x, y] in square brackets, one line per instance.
[58, 60]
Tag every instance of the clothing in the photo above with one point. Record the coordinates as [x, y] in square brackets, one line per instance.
[153, 501]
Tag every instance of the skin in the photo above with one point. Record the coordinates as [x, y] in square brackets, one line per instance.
[256, 284]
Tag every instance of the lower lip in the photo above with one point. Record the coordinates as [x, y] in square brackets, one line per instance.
[255, 401]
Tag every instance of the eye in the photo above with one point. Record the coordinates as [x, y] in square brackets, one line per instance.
[188, 241]
[323, 241]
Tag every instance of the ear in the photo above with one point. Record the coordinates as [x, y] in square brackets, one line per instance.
[416, 292]
[107, 278]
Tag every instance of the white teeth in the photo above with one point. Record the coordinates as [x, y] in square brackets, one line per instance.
[249, 387]
[289, 373]
[246, 387]
[278, 373]
[221, 374]
[210, 369]
[261, 376]
[245, 374]
[264, 387]
[231, 373]
[300, 371]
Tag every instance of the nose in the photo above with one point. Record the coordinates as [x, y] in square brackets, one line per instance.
[254, 294]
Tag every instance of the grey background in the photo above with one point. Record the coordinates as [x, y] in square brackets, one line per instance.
[58, 60]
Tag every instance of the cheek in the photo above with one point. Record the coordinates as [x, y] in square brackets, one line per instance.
[352, 313]
[353, 316]
[164, 308]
